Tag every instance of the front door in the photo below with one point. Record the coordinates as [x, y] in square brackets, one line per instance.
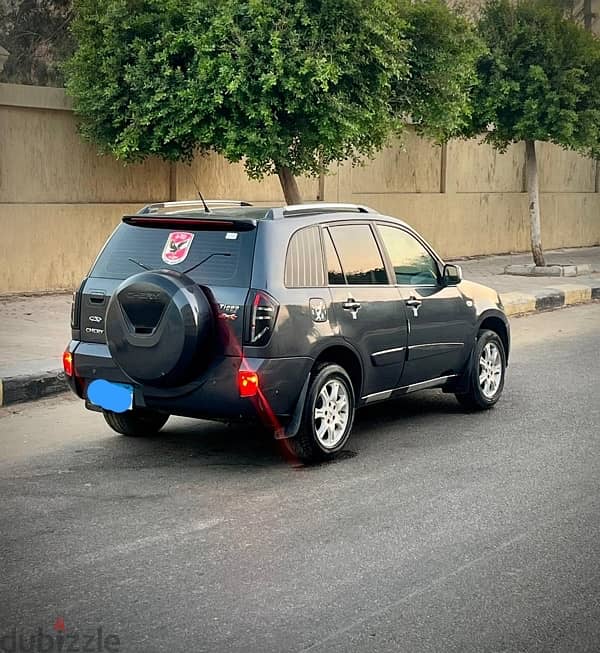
[439, 317]
[368, 309]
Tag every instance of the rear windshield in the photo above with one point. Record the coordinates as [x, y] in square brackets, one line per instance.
[148, 245]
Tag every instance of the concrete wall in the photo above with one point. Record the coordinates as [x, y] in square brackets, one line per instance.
[467, 199]
[59, 200]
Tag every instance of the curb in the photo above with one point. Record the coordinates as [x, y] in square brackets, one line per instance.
[28, 387]
[532, 270]
[547, 299]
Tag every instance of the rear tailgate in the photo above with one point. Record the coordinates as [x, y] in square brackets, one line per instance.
[182, 245]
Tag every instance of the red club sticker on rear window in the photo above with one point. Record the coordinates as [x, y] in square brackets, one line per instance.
[177, 247]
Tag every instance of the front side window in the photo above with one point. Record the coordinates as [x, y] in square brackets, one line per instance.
[359, 254]
[413, 264]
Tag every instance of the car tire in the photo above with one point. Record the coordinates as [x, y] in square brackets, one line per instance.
[138, 422]
[327, 418]
[485, 374]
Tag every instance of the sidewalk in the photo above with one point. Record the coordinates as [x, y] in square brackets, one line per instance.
[521, 295]
[35, 330]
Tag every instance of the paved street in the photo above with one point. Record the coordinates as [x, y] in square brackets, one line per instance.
[445, 532]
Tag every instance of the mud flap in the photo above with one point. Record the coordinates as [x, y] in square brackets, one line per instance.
[461, 384]
[294, 424]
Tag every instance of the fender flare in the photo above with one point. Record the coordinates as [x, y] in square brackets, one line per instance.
[460, 385]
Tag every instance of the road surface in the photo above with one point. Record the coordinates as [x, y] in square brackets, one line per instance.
[439, 531]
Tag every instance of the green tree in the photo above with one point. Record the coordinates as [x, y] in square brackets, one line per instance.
[539, 81]
[289, 87]
[442, 57]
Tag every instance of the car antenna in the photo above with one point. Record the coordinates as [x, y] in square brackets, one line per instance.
[206, 209]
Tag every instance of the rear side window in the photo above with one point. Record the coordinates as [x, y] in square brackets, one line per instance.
[304, 261]
[147, 244]
[359, 254]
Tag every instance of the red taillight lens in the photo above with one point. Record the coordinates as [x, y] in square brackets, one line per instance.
[247, 383]
[263, 313]
[68, 363]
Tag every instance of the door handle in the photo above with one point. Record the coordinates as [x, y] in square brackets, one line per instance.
[415, 304]
[351, 305]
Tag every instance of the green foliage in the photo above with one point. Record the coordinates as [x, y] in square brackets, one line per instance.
[540, 79]
[278, 83]
[442, 57]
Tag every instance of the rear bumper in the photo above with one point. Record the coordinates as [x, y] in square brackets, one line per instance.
[213, 395]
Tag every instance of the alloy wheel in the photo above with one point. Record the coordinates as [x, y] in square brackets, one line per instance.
[331, 413]
[490, 370]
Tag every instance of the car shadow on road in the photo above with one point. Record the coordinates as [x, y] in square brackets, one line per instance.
[200, 443]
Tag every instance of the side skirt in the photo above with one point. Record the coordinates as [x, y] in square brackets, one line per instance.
[438, 382]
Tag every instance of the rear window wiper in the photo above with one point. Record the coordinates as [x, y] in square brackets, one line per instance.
[197, 265]
[206, 259]
[140, 264]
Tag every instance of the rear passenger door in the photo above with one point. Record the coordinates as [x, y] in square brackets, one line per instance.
[439, 318]
[368, 308]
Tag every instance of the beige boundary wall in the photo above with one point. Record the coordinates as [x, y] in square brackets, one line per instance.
[59, 200]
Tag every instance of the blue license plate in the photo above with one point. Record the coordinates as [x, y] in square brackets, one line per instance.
[117, 397]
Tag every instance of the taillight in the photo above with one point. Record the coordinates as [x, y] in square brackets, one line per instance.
[76, 306]
[68, 363]
[263, 314]
[74, 312]
[247, 383]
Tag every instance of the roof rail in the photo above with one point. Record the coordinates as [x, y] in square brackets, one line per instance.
[320, 207]
[155, 208]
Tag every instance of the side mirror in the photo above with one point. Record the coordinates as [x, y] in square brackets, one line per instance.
[452, 274]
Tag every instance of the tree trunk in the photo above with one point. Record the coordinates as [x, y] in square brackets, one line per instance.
[533, 193]
[597, 182]
[588, 16]
[289, 186]
[172, 181]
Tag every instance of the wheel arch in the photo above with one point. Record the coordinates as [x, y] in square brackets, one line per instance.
[497, 322]
[344, 356]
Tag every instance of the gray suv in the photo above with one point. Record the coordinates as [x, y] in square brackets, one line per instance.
[293, 316]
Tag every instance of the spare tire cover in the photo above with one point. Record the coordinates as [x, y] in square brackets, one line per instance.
[159, 327]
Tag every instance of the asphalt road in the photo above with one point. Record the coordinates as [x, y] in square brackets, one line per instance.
[444, 532]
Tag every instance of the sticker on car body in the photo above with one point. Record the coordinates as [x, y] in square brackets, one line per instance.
[318, 309]
[177, 247]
